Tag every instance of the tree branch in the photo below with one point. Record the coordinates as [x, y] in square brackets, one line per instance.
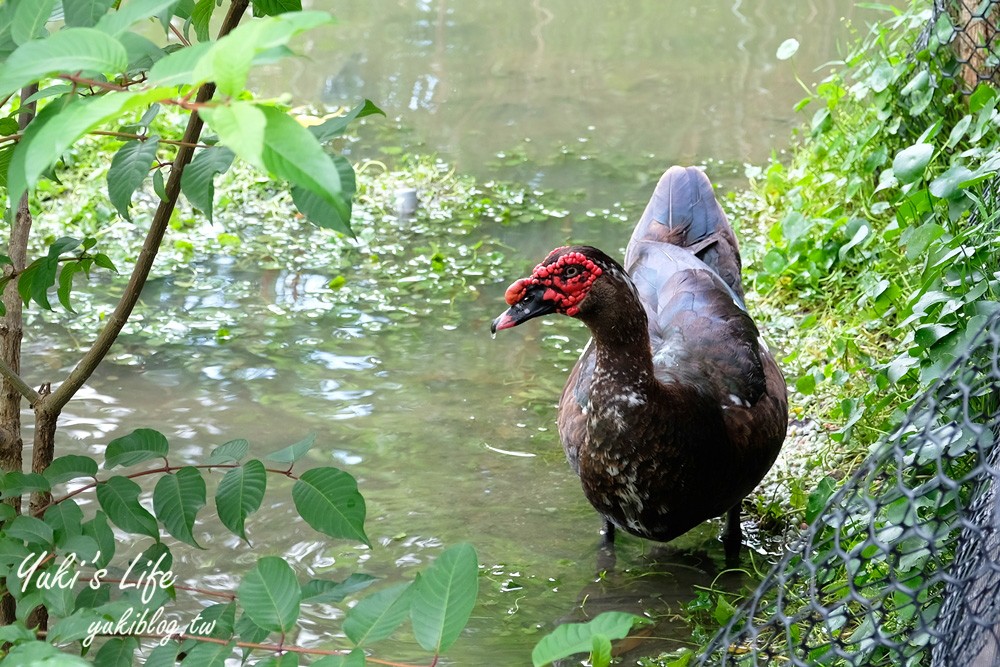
[154, 237]
[15, 380]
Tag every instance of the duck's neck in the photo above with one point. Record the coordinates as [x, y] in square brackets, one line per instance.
[623, 384]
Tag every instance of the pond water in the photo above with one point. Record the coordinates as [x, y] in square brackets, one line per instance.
[451, 434]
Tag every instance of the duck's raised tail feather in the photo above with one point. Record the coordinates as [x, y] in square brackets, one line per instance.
[683, 211]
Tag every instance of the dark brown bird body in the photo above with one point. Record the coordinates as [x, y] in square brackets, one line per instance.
[676, 409]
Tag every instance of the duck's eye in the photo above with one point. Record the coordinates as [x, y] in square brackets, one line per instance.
[571, 271]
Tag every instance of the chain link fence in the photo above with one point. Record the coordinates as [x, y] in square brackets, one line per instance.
[902, 565]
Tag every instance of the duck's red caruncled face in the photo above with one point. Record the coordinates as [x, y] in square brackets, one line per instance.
[567, 280]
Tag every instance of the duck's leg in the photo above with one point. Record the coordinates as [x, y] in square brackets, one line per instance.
[732, 536]
[608, 533]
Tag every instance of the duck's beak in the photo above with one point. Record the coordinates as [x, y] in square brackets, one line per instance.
[530, 304]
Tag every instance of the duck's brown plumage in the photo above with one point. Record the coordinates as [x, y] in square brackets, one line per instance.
[676, 409]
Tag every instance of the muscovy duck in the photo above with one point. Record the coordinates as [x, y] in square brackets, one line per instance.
[676, 409]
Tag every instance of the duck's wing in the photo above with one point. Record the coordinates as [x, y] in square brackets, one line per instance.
[572, 421]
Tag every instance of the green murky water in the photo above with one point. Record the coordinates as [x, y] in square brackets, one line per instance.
[451, 434]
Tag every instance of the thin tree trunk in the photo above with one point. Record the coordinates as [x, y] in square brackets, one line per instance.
[11, 333]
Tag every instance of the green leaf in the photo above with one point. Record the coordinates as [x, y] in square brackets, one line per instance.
[43, 654]
[206, 654]
[275, 7]
[909, 163]
[69, 50]
[6, 154]
[323, 590]
[177, 499]
[291, 152]
[600, 652]
[85, 13]
[164, 655]
[948, 185]
[99, 529]
[239, 494]
[787, 49]
[30, 530]
[178, 68]
[328, 500]
[229, 452]
[103, 261]
[197, 181]
[378, 615]
[158, 185]
[131, 12]
[928, 336]
[321, 212]
[66, 284]
[334, 127]
[66, 520]
[129, 168]
[240, 127]
[571, 638]
[30, 19]
[117, 652]
[17, 483]
[819, 498]
[201, 17]
[293, 452]
[119, 497]
[444, 596]
[54, 130]
[270, 595]
[229, 59]
[355, 658]
[140, 445]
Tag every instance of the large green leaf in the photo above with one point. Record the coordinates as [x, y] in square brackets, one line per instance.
[205, 654]
[29, 529]
[240, 127]
[444, 595]
[291, 152]
[229, 60]
[201, 17]
[140, 445]
[30, 19]
[129, 168]
[85, 13]
[909, 163]
[378, 615]
[177, 69]
[54, 130]
[239, 494]
[17, 483]
[198, 179]
[571, 638]
[119, 497]
[177, 499]
[69, 50]
[328, 500]
[270, 595]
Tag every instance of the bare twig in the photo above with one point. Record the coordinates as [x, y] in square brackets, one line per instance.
[22, 387]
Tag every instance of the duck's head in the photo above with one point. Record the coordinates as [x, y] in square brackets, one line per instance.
[561, 284]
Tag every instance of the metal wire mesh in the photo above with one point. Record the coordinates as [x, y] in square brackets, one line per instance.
[903, 565]
[970, 29]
